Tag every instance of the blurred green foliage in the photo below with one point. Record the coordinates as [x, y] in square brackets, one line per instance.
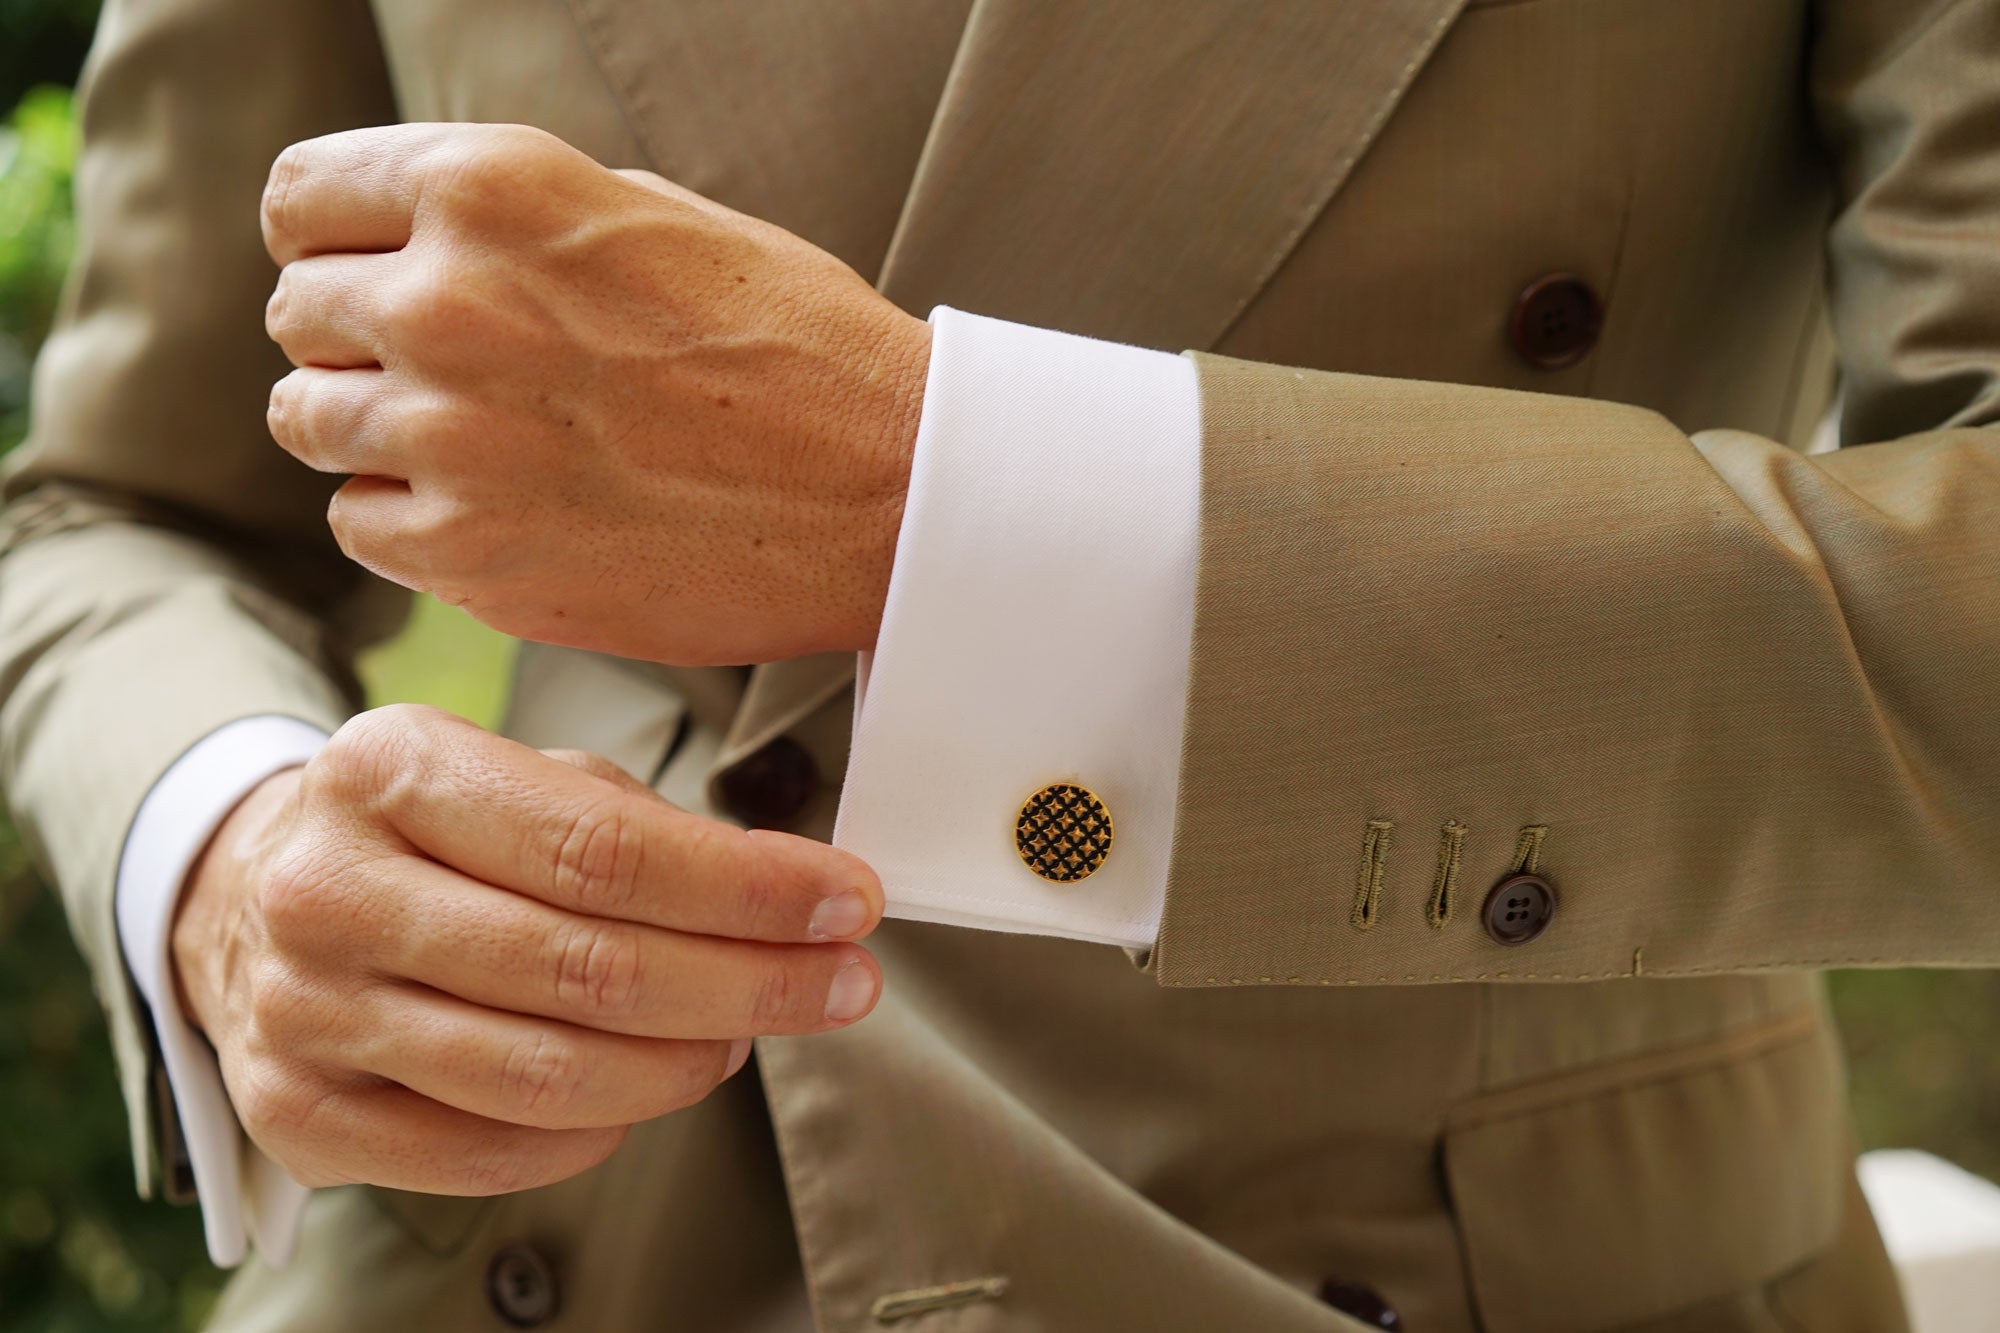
[1923, 1054]
[79, 1253]
[37, 151]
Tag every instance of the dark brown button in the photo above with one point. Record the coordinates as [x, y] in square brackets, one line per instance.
[1519, 908]
[770, 786]
[1361, 1302]
[1556, 321]
[521, 1287]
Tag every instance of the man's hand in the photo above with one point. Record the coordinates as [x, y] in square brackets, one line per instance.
[438, 960]
[587, 405]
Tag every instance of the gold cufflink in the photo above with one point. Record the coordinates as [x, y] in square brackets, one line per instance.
[1064, 832]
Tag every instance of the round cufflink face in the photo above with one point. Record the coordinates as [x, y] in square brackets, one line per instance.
[1063, 833]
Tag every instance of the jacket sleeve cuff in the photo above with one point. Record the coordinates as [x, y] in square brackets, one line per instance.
[1036, 631]
[244, 1195]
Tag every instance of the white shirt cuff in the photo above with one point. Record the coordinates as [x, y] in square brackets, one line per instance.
[244, 1194]
[1036, 632]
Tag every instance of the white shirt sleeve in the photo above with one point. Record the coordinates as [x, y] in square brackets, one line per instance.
[244, 1194]
[1036, 632]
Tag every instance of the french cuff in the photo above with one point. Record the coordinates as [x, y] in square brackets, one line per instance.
[245, 1196]
[1018, 726]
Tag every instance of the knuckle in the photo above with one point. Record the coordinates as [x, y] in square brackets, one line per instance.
[266, 1111]
[280, 412]
[774, 1000]
[377, 755]
[497, 172]
[474, 173]
[512, 146]
[283, 1013]
[722, 859]
[443, 428]
[368, 746]
[347, 533]
[598, 859]
[276, 208]
[597, 969]
[457, 538]
[527, 137]
[421, 309]
[278, 310]
[541, 1076]
[693, 1087]
[374, 538]
[291, 897]
[276, 1103]
[762, 906]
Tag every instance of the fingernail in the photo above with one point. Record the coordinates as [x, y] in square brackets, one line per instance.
[840, 917]
[852, 991]
[738, 1053]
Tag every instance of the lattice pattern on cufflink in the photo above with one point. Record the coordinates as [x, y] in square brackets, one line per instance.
[1064, 832]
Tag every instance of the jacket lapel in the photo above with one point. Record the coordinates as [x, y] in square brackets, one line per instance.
[1137, 170]
[810, 116]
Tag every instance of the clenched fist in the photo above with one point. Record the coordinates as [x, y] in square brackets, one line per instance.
[590, 407]
[438, 960]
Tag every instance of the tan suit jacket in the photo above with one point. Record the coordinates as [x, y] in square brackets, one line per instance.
[1742, 693]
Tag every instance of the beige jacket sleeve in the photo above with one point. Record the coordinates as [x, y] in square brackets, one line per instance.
[167, 569]
[1734, 702]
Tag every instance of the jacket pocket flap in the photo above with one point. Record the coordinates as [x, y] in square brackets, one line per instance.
[1604, 1198]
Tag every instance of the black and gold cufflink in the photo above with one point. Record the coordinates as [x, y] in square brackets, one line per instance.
[1063, 833]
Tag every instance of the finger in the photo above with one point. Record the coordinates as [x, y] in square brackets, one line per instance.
[388, 1135]
[329, 310]
[531, 1071]
[356, 191]
[336, 421]
[373, 518]
[507, 951]
[599, 767]
[513, 817]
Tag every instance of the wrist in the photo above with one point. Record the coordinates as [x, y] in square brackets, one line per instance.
[899, 372]
[214, 899]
